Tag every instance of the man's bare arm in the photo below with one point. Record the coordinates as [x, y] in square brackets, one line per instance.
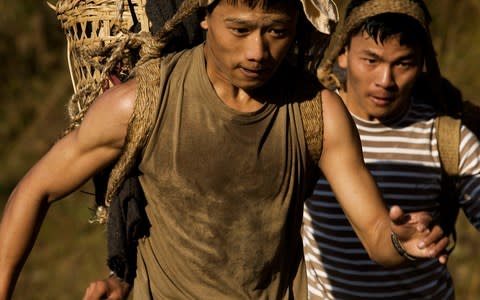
[343, 166]
[64, 168]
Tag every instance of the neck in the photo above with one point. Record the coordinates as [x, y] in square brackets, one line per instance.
[233, 96]
[238, 99]
[394, 116]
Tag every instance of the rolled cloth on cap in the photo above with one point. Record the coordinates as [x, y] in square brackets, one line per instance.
[321, 13]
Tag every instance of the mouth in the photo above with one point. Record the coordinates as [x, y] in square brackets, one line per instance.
[382, 100]
[253, 73]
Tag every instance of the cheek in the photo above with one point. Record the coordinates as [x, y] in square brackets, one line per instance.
[359, 78]
[219, 44]
[407, 81]
[279, 48]
[285, 48]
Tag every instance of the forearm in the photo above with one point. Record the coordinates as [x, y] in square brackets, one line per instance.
[369, 218]
[18, 229]
[374, 225]
[356, 191]
[383, 252]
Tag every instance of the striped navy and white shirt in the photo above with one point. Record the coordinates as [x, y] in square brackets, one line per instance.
[403, 158]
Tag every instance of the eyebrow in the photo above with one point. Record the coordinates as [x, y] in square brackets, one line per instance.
[240, 21]
[409, 56]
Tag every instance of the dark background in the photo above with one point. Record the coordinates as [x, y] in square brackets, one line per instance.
[35, 87]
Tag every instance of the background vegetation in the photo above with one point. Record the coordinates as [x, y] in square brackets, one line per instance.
[35, 87]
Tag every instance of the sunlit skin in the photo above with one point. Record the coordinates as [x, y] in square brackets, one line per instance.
[380, 76]
[244, 48]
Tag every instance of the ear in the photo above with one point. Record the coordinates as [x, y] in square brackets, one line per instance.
[342, 59]
[204, 23]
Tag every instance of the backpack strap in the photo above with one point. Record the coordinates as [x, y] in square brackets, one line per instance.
[447, 131]
[312, 119]
[448, 141]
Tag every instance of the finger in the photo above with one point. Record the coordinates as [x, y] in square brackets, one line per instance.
[96, 291]
[86, 296]
[437, 249]
[421, 219]
[89, 292]
[397, 215]
[115, 296]
[443, 259]
[434, 235]
[117, 289]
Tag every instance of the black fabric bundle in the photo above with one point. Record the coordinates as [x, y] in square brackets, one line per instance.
[127, 220]
[126, 224]
[186, 35]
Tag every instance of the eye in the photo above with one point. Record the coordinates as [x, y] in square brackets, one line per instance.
[240, 31]
[406, 64]
[278, 32]
[369, 60]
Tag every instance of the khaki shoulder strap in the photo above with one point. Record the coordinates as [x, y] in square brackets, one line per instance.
[447, 131]
[141, 123]
[312, 118]
[448, 140]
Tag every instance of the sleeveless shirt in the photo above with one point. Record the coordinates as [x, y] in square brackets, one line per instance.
[224, 191]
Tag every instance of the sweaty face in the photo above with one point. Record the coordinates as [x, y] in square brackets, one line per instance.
[245, 46]
[380, 76]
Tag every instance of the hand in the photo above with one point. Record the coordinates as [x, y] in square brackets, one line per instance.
[111, 81]
[437, 242]
[415, 235]
[112, 288]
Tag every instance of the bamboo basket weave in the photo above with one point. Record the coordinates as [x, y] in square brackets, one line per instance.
[93, 24]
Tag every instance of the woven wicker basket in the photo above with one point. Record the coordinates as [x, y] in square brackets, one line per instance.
[90, 24]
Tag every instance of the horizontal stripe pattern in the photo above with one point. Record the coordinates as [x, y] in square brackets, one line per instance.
[404, 160]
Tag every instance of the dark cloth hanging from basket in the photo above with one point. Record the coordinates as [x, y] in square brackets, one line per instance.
[186, 35]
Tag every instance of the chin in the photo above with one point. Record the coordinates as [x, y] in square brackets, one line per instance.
[249, 85]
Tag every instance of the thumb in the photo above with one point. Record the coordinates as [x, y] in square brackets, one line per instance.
[397, 215]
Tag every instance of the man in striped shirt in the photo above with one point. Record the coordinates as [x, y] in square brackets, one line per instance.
[383, 47]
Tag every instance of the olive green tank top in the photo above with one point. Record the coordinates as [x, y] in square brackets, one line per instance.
[225, 192]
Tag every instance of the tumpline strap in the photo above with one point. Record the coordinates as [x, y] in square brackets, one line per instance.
[311, 111]
[447, 130]
[448, 140]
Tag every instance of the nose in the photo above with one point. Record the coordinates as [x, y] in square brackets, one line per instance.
[385, 78]
[256, 48]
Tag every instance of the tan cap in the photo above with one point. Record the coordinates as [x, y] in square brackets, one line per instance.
[358, 15]
[321, 13]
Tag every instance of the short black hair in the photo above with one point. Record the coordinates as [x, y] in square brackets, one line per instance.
[384, 26]
[255, 3]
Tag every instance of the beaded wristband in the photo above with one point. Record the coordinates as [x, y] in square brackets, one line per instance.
[398, 246]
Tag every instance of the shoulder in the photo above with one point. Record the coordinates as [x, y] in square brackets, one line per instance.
[339, 127]
[106, 121]
[153, 70]
[333, 106]
[186, 55]
[117, 100]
